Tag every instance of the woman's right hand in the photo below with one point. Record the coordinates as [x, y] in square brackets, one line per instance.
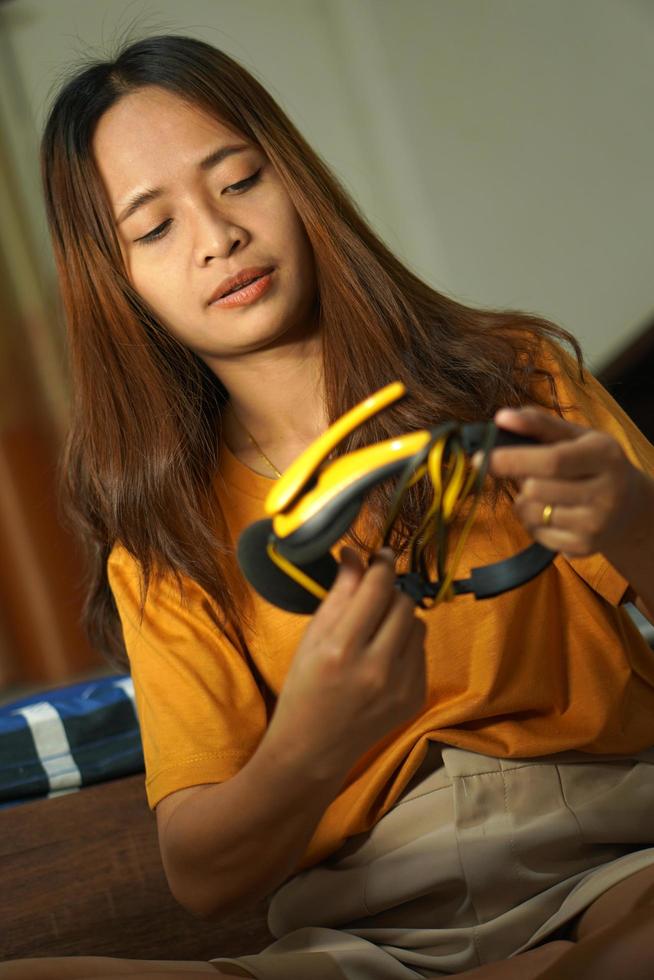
[358, 672]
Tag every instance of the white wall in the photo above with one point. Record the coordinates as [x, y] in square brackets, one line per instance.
[503, 148]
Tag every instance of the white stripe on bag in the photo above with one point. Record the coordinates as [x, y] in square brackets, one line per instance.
[126, 684]
[52, 746]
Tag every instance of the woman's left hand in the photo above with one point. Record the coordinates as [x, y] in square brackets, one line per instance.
[595, 497]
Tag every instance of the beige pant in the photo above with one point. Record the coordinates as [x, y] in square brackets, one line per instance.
[480, 859]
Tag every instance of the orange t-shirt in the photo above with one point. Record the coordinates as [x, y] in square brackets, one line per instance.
[553, 665]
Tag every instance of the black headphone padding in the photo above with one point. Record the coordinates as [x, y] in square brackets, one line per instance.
[268, 578]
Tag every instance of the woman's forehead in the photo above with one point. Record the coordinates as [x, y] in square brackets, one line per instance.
[153, 113]
[151, 135]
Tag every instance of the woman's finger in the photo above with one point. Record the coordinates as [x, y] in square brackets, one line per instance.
[533, 421]
[585, 456]
[570, 493]
[390, 638]
[588, 523]
[568, 543]
[366, 607]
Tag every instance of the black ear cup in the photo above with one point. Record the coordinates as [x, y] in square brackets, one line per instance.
[268, 578]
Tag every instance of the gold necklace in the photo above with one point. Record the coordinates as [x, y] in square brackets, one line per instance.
[255, 443]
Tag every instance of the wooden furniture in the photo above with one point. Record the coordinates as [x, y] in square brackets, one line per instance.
[629, 379]
[82, 875]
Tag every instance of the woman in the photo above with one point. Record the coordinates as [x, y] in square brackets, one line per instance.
[464, 790]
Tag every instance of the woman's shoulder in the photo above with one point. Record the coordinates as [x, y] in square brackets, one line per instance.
[568, 387]
[555, 377]
[123, 561]
[119, 555]
[127, 575]
[124, 573]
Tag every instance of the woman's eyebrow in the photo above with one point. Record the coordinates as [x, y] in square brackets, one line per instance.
[151, 194]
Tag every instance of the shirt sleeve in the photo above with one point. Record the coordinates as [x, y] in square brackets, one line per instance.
[589, 404]
[201, 712]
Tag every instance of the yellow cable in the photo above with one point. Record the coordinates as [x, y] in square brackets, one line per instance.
[435, 455]
[456, 493]
[295, 573]
[444, 591]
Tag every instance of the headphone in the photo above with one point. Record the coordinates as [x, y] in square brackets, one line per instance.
[286, 556]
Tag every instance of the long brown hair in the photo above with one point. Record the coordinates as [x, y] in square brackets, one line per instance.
[140, 457]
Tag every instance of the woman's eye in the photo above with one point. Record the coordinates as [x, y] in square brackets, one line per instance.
[244, 184]
[161, 229]
[157, 232]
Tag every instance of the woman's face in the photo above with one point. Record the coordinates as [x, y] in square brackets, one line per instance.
[198, 228]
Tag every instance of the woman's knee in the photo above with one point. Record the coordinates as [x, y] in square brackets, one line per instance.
[623, 949]
[635, 891]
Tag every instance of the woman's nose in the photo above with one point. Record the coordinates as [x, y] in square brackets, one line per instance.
[216, 237]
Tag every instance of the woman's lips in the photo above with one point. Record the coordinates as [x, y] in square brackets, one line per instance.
[246, 294]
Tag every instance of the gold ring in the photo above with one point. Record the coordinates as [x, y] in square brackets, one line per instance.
[546, 518]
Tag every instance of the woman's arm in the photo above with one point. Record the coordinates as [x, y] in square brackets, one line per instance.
[230, 844]
[600, 501]
[358, 672]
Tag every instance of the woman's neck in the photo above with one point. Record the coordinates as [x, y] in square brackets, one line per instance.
[283, 414]
[281, 454]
